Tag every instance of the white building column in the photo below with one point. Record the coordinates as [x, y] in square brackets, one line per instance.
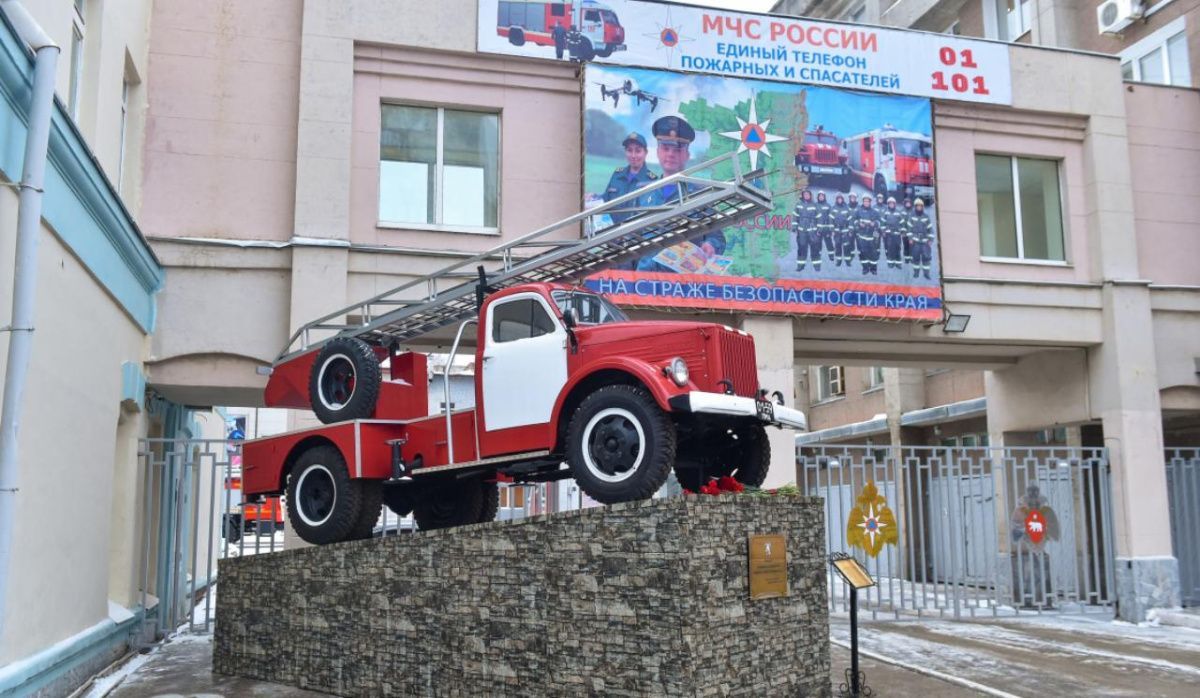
[773, 344]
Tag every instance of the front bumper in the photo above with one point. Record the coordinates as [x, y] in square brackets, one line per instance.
[823, 169]
[736, 406]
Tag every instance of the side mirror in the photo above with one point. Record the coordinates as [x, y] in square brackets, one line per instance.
[569, 318]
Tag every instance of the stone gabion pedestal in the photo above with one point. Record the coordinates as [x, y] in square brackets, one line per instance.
[644, 598]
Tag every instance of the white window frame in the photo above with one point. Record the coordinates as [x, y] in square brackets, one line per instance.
[1062, 210]
[78, 43]
[831, 382]
[1157, 41]
[995, 23]
[437, 225]
[124, 133]
[874, 378]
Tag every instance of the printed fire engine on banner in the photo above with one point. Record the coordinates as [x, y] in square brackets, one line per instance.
[659, 35]
[853, 232]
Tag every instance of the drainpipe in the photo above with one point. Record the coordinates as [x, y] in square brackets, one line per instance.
[29, 219]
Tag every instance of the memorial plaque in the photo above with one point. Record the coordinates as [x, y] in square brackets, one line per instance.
[768, 567]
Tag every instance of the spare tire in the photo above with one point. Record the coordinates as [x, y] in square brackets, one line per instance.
[344, 381]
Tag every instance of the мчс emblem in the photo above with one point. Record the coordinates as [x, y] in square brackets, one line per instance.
[871, 523]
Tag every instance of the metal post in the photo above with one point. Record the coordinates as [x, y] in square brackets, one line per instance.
[854, 687]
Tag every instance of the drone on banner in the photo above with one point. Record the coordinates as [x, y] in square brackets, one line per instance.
[628, 88]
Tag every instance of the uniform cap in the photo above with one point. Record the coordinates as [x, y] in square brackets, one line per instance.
[891, 199]
[919, 202]
[634, 137]
[673, 129]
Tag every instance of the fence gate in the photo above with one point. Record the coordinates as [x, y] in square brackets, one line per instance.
[1183, 497]
[954, 532]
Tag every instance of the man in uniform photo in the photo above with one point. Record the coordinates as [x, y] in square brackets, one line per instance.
[675, 135]
[631, 177]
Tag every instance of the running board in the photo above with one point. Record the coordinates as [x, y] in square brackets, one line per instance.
[528, 455]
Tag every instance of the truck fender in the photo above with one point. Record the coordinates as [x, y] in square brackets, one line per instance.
[645, 373]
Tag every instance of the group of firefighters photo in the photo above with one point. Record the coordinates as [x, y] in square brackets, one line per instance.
[848, 229]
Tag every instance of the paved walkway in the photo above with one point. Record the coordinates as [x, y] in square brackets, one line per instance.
[1039, 656]
[1035, 657]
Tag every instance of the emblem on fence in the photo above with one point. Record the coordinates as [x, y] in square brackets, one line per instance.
[871, 523]
[1033, 522]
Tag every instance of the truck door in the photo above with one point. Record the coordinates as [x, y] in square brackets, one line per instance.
[524, 362]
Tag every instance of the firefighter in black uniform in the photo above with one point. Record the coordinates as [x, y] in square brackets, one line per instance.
[868, 237]
[808, 236]
[920, 234]
[843, 221]
[905, 242]
[559, 35]
[852, 204]
[825, 224]
[892, 229]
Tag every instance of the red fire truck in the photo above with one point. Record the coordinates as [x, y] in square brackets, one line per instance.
[565, 385]
[892, 162]
[584, 28]
[822, 159]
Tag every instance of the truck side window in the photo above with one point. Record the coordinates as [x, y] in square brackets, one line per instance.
[520, 319]
[591, 16]
[558, 9]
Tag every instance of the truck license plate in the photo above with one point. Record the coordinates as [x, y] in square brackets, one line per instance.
[766, 410]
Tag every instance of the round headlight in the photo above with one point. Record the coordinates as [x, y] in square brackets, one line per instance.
[678, 371]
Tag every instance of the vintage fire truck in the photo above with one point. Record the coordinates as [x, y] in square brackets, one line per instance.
[583, 29]
[821, 158]
[565, 385]
[892, 162]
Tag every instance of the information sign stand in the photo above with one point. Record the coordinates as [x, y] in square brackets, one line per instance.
[855, 575]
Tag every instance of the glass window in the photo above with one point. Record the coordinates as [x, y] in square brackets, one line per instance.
[874, 377]
[520, 319]
[1016, 16]
[997, 211]
[124, 128]
[1020, 208]
[590, 309]
[1160, 58]
[1177, 61]
[829, 382]
[76, 70]
[1151, 67]
[439, 167]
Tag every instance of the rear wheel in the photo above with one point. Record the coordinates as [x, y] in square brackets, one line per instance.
[344, 382]
[881, 186]
[324, 503]
[620, 445]
[516, 36]
[743, 452]
[491, 502]
[452, 504]
[604, 52]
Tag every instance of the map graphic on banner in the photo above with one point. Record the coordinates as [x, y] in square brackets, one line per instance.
[829, 252]
[683, 37]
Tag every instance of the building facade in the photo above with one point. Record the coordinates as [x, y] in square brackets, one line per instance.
[264, 175]
[73, 589]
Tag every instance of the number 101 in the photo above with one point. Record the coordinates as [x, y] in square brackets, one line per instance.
[960, 83]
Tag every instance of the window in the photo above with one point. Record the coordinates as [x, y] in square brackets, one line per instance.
[829, 382]
[439, 167]
[856, 15]
[76, 66]
[520, 319]
[953, 29]
[1016, 17]
[1160, 58]
[874, 377]
[1020, 208]
[124, 128]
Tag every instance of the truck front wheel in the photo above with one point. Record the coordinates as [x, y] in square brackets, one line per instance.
[620, 445]
[324, 504]
[742, 452]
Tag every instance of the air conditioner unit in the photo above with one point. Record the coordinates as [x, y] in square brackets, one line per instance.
[1114, 15]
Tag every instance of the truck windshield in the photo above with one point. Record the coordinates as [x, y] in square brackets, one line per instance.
[912, 148]
[822, 139]
[590, 309]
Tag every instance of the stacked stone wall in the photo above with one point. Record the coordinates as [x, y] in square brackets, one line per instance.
[644, 598]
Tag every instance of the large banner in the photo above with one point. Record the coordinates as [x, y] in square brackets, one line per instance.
[853, 232]
[684, 37]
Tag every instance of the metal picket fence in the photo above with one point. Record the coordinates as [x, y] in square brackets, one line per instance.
[974, 531]
[195, 516]
[1183, 499]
